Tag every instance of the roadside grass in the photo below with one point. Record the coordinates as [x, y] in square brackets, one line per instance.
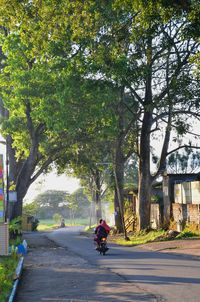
[48, 224]
[90, 229]
[8, 266]
[45, 225]
[139, 237]
[190, 231]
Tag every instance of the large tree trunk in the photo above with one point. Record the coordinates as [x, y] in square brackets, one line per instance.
[23, 173]
[144, 193]
[14, 169]
[119, 186]
[98, 195]
[145, 181]
[117, 213]
[119, 162]
[145, 178]
[24, 178]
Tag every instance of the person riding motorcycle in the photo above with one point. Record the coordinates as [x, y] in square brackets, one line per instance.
[101, 231]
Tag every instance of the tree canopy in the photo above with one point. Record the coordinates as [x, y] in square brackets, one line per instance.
[123, 72]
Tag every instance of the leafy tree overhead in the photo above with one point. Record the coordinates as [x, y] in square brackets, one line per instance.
[35, 85]
[145, 50]
[129, 67]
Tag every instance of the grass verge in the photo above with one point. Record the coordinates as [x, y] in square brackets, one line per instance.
[45, 226]
[140, 238]
[8, 266]
[48, 224]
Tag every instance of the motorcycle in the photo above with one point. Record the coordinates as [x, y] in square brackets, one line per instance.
[103, 246]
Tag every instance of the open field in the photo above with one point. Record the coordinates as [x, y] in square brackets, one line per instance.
[47, 224]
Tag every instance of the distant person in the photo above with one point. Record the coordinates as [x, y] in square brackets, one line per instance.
[62, 223]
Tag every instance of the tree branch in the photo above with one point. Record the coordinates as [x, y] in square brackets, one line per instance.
[41, 169]
[181, 147]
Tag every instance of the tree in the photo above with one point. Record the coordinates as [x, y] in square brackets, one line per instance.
[131, 172]
[31, 209]
[57, 217]
[143, 49]
[78, 204]
[34, 87]
[88, 165]
[51, 202]
[140, 50]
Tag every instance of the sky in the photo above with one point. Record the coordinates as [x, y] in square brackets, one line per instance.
[51, 181]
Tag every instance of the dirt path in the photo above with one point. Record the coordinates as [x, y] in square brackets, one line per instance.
[52, 273]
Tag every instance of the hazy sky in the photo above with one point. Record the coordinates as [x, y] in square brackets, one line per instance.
[51, 182]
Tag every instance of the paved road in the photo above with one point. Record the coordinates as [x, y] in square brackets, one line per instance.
[53, 273]
[169, 277]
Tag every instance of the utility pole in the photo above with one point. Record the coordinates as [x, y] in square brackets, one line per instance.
[7, 183]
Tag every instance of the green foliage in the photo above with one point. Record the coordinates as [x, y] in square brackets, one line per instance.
[90, 229]
[155, 198]
[57, 217]
[45, 225]
[15, 227]
[48, 224]
[51, 198]
[186, 234]
[7, 271]
[116, 69]
[131, 172]
[31, 209]
[142, 237]
[190, 230]
[13, 242]
[60, 202]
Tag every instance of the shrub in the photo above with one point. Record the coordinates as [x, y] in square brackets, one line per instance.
[15, 227]
[7, 271]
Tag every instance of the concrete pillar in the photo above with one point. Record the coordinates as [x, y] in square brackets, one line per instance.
[166, 202]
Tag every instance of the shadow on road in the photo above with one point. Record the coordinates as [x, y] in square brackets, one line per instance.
[52, 273]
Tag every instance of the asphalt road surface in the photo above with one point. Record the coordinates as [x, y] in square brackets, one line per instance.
[55, 273]
[167, 277]
[63, 265]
